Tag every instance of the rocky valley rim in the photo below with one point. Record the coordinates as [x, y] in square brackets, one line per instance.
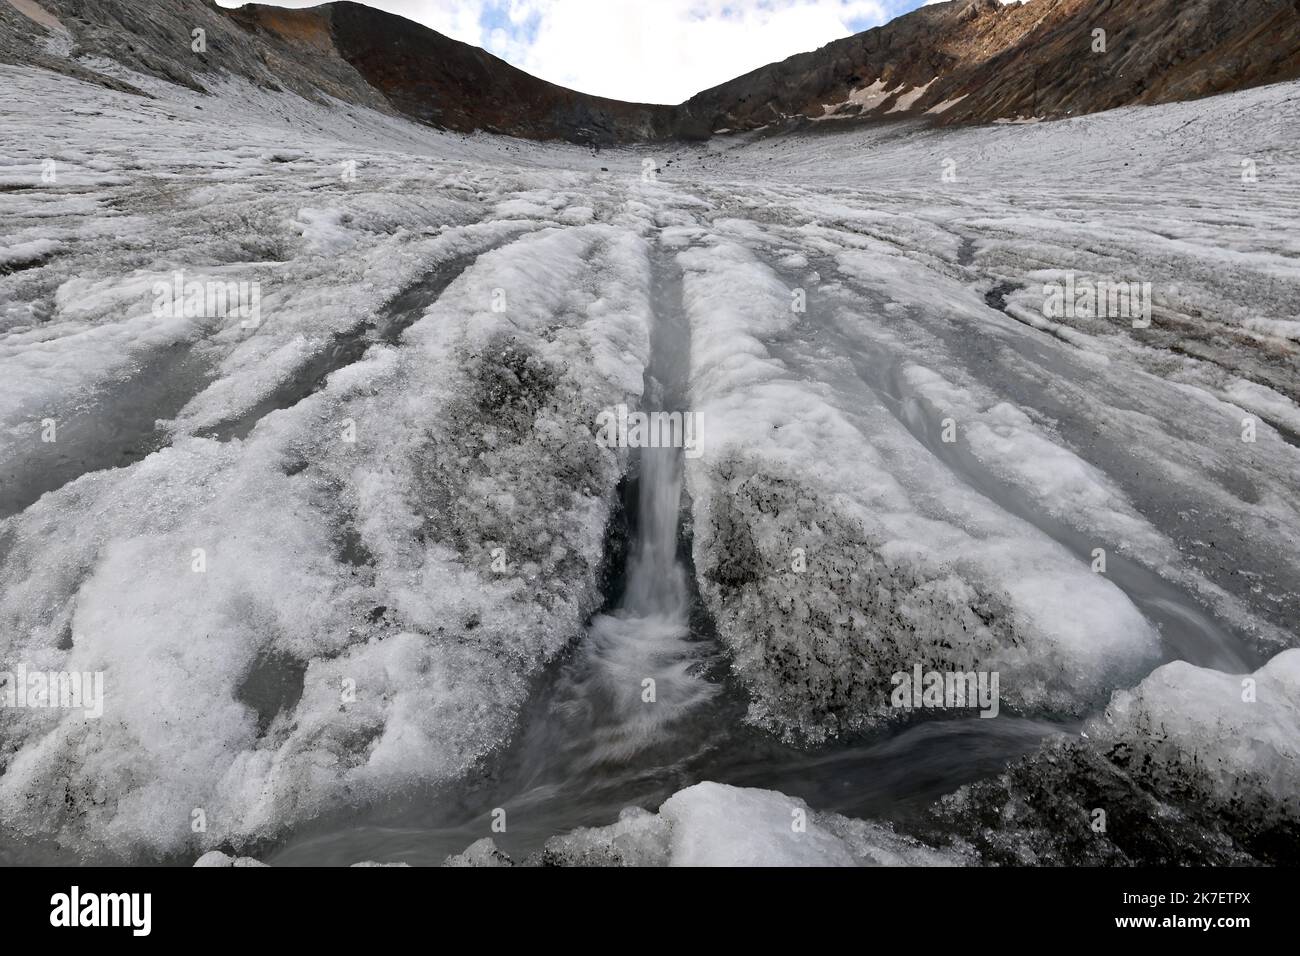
[959, 62]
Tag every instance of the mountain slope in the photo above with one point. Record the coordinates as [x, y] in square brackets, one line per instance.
[981, 61]
[958, 62]
[450, 84]
[343, 50]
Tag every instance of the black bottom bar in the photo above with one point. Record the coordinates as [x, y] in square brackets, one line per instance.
[947, 906]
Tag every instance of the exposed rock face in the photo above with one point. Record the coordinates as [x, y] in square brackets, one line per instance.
[962, 61]
[457, 86]
[977, 60]
[344, 50]
[157, 38]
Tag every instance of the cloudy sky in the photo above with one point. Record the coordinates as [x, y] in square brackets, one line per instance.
[653, 51]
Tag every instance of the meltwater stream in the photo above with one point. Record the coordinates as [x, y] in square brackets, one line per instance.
[644, 706]
[640, 668]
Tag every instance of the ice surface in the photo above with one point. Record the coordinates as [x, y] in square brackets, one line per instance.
[897, 573]
[482, 852]
[711, 824]
[464, 306]
[218, 859]
[1192, 766]
[26, 254]
[1236, 739]
[310, 615]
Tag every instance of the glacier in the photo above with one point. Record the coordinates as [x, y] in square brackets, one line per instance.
[366, 557]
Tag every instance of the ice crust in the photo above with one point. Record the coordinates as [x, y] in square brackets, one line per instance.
[1192, 767]
[712, 824]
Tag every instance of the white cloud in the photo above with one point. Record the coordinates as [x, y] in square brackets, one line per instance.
[660, 51]
[667, 50]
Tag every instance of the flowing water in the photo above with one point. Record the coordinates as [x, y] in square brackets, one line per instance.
[644, 705]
